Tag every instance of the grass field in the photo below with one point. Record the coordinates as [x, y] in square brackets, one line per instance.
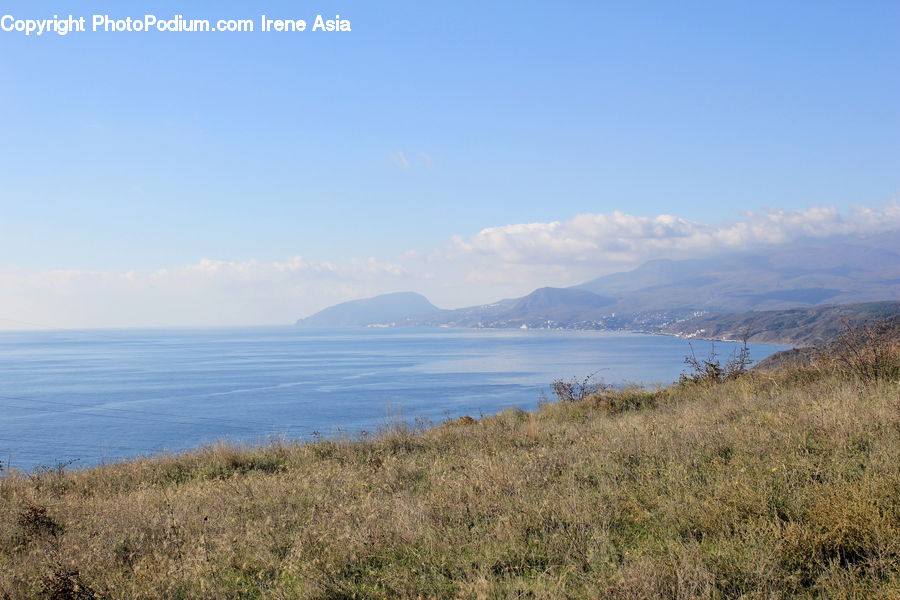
[783, 485]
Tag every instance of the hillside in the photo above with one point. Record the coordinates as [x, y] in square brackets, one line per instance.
[796, 327]
[838, 270]
[769, 486]
[545, 307]
[881, 332]
[660, 293]
[387, 309]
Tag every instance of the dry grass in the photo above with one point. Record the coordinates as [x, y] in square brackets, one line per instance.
[770, 486]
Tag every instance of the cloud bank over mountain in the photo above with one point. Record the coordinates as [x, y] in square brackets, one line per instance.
[496, 262]
[620, 238]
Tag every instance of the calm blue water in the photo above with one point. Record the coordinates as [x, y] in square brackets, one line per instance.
[99, 396]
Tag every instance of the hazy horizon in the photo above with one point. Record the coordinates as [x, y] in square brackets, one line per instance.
[462, 151]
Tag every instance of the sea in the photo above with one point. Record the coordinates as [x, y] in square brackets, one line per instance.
[87, 397]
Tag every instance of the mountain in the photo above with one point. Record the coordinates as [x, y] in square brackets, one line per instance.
[387, 309]
[546, 307]
[661, 293]
[834, 271]
[797, 327]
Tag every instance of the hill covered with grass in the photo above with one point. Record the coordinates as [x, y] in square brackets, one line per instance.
[797, 326]
[768, 485]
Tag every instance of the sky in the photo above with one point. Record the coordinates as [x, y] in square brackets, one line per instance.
[466, 150]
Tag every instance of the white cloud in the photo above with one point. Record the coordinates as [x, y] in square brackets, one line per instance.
[399, 159]
[206, 293]
[618, 238]
[512, 260]
[417, 160]
[496, 262]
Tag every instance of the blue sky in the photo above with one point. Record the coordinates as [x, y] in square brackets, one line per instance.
[142, 152]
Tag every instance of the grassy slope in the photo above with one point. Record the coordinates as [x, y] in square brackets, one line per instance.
[796, 326]
[767, 487]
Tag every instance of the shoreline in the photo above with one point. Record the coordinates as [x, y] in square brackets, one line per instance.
[615, 486]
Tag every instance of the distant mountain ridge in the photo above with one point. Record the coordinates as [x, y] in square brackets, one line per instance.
[662, 293]
[548, 307]
[833, 271]
[386, 309]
